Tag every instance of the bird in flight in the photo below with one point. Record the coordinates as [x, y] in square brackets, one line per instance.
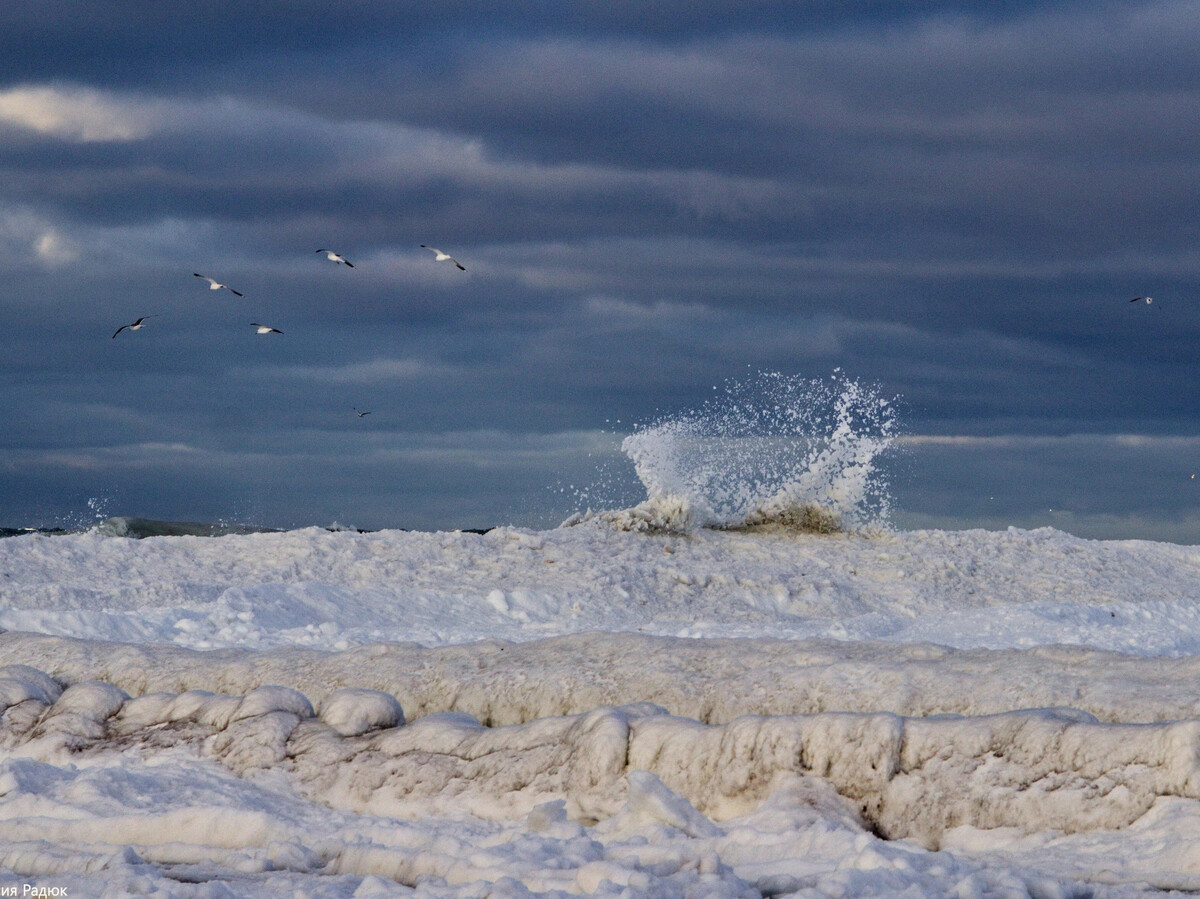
[1142, 300]
[136, 326]
[361, 414]
[337, 257]
[439, 256]
[265, 329]
[214, 284]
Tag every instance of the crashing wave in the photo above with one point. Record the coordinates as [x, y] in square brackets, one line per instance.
[678, 515]
[657, 515]
[770, 452]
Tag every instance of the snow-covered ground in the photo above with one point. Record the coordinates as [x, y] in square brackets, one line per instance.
[598, 709]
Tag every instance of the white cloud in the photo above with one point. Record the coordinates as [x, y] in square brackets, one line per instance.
[54, 249]
[74, 113]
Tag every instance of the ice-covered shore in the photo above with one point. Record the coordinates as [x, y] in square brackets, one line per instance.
[328, 590]
[902, 777]
[520, 712]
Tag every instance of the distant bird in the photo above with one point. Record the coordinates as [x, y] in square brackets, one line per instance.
[439, 256]
[337, 257]
[136, 326]
[214, 284]
[265, 329]
[1146, 300]
[361, 414]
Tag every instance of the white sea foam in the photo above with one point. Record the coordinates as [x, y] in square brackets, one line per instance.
[770, 450]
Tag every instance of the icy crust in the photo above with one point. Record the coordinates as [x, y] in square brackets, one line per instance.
[656, 845]
[335, 590]
[1042, 770]
[272, 793]
[713, 681]
[563, 732]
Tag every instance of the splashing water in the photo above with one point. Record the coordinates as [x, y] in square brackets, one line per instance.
[97, 511]
[772, 450]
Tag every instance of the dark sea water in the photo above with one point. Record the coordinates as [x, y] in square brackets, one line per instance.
[20, 532]
[126, 526]
[137, 528]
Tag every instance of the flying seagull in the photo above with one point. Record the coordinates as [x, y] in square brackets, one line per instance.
[214, 284]
[439, 256]
[265, 329]
[361, 414]
[337, 257]
[1142, 300]
[136, 326]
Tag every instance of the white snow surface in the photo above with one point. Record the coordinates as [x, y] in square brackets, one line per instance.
[599, 710]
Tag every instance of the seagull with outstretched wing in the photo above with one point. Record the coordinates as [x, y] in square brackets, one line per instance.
[136, 326]
[439, 256]
[337, 257]
[214, 284]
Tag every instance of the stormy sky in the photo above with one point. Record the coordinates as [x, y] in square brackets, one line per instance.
[953, 201]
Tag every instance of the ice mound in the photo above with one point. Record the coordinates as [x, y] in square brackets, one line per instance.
[913, 778]
[769, 452]
[352, 711]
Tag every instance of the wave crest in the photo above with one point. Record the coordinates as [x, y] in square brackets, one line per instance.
[769, 452]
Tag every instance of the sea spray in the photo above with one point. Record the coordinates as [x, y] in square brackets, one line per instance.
[769, 451]
[98, 508]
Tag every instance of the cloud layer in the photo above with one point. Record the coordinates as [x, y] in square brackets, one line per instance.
[954, 202]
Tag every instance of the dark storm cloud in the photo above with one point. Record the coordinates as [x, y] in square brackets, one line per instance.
[99, 39]
[955, 201]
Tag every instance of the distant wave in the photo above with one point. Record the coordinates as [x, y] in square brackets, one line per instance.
[124, 526]
[21, 532]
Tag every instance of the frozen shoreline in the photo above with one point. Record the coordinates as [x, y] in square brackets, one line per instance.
[335, 590]
[588, 710]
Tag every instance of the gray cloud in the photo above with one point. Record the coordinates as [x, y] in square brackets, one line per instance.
[953, 201]
[1033, 481]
